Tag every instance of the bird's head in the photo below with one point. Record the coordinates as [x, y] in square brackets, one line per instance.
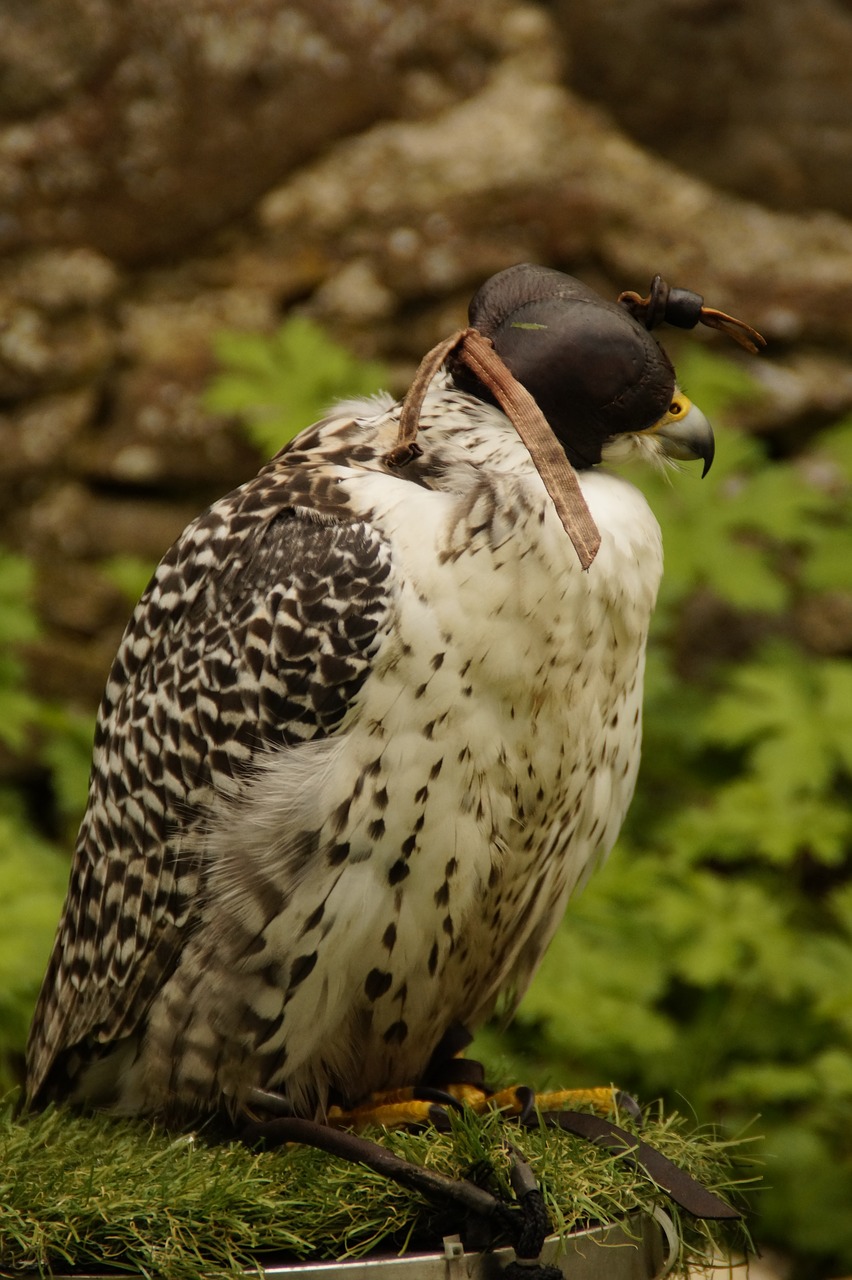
[602, 381]
[580, 378]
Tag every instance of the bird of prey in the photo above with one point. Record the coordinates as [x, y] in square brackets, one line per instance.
[368, 729]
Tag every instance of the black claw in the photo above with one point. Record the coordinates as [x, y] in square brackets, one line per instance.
[425, 1093]
[627, 1103]
[446, 1067]
[526, 1100]
[440, 1119]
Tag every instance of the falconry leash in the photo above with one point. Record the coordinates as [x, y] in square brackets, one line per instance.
[526, 1223]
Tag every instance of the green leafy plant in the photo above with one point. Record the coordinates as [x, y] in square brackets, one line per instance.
[33, 876]
[130, 574]
[32, 871]
[280, 383]
[18, 625]
[713, 955]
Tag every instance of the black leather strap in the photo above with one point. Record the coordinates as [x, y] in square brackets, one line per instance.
[680, 1186]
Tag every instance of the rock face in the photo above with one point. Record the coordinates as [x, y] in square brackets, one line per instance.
[752, 96]
[172, 168]
[135, 126]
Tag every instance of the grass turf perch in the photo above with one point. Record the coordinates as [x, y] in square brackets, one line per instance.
[369, 727]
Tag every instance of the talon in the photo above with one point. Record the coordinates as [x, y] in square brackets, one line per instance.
[426, 1103]
[391, 1111]
[440, 1118]
[425, 1093]
[527, 1101]
[627, 1103]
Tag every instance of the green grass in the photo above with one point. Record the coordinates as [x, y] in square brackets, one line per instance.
[86, 1192]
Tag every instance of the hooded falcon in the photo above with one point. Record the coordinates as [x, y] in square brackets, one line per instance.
[368, 729]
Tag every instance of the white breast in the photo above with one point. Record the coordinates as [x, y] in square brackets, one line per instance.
[502, 726]
[424, 855]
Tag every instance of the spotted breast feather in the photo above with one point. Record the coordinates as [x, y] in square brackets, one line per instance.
[368, 729]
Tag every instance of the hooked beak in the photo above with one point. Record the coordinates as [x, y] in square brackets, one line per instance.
[684, 433]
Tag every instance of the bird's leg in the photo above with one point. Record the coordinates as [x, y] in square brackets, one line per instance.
[449, 1080]
[522, 1102]
[464, 1080]
[606, 1100]
[453, 1081]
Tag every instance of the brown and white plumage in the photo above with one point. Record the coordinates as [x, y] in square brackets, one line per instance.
[366, 732]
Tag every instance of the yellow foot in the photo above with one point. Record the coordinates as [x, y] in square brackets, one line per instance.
[605, 1100]
[396, 1109]
[415, 1106]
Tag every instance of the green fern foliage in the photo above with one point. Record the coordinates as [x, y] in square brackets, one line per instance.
[712, 957]
[18, 625]
[32, 871]
[280, 383]
[33, 874]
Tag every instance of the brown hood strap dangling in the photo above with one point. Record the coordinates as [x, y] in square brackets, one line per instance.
[559, 477]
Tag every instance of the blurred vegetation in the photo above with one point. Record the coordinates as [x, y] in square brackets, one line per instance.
[39, 743]
[711, 959]
[280, 384]
[712, 956]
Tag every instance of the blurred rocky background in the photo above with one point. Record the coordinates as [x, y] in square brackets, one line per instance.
[170, 169]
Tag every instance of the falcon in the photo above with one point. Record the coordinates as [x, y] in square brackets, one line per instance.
[369, 728]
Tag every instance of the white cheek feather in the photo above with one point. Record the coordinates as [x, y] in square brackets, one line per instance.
[638, 446]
